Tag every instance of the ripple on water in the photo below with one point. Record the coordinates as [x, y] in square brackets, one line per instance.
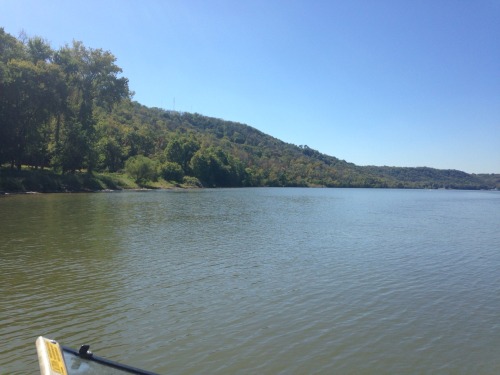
[257, 281]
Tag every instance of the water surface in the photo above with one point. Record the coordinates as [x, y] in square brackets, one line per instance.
[270, 281]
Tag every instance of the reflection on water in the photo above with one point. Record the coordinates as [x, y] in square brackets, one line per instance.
[56, 251]
[255, 280]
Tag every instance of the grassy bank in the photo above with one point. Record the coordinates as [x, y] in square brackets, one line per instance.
[48, 181]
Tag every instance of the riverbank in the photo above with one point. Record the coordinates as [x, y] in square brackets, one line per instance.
[48, 181]
[29, 180]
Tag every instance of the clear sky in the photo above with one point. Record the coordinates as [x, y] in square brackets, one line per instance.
[373, 82]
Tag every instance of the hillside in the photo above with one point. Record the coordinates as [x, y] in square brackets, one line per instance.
[258, 159]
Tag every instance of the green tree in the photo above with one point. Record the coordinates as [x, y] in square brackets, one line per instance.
[92, 77]
[180, 150]
[39, 50]
[174, 152]
[171, 171]
[31, 93]
[10, 49]
[111, 154]
[141, 168]
[214, 168]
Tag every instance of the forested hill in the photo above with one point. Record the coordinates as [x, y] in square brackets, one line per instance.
[69, 111]
[225, 153]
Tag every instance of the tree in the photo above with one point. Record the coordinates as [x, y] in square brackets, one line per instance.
[180, 150]
[213, 167]
[39, 50]
[92, 77]
[174, 152]
[111, 154]
[141, 168]
[171, 171]
[31, 93]
[10, 48]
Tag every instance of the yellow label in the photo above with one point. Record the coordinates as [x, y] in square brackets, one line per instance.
[55, 357]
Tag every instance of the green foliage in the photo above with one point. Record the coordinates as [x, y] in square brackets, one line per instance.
[111, 154]
[10, 47]
[215, 168]
[44, 180]
[171, 171]
[49, 102]
[180, 150]
[430, 178]
[489, 180]
[39, 50]
[190, 181]
[141, 168]
[29, 92]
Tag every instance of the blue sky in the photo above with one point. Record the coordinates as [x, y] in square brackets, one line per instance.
[375, 82]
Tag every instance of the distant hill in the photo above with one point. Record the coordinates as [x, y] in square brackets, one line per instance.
[263, 160]
[424, 177]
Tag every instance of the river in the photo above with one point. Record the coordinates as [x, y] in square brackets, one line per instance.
[264, 280]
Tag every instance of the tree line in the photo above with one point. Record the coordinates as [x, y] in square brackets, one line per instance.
[58, 109]
[48, 102]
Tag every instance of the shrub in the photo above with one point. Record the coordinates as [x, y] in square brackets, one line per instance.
[191, 181]
[171, 171]
[141, 168]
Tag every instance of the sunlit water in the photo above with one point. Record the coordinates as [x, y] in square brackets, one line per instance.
[256, 281]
